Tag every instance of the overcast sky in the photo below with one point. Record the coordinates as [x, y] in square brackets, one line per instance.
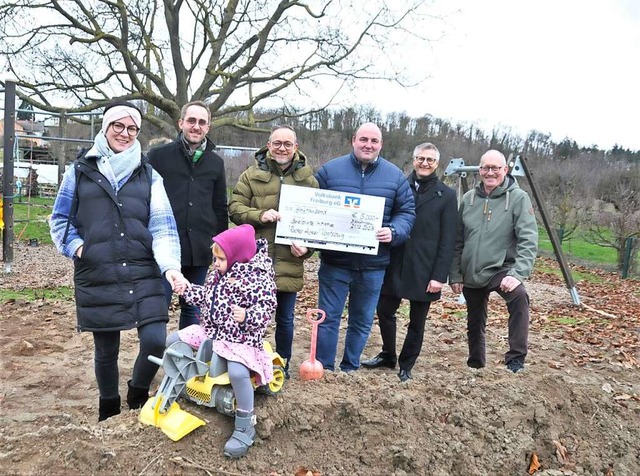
[566, 67]
[570, 68]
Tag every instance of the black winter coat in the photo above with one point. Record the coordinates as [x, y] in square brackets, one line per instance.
[198, 196]
[118, 284]
[428, 252]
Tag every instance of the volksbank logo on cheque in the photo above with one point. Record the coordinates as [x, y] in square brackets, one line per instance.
[351, 202]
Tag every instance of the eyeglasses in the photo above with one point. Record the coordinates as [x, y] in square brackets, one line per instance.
[276, 144]
[428, 160]
[491, 168]
[192, 121]
[119, 127]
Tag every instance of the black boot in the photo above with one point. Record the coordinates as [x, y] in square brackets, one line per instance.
[109, 407]
[137, 396]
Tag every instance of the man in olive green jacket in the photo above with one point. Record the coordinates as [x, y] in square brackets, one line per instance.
[496, 247]
[255, 200]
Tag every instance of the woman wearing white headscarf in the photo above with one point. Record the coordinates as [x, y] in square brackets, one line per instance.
[113, 218]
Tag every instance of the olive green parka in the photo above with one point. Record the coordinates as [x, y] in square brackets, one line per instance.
[258, 190]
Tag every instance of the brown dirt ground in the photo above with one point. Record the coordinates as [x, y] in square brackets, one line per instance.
[576, 408]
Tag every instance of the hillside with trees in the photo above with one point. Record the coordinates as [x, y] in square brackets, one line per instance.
[586, 189]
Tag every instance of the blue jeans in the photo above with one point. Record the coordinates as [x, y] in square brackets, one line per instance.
[188, 314]
[284, 324]
[363, 288]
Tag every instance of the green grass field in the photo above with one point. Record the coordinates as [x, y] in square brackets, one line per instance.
[30, 219]
[577, 247]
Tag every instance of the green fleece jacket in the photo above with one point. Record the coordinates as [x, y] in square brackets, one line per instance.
[258, 190]
[497, 232]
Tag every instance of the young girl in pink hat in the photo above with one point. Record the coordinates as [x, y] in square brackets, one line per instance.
[236, 304]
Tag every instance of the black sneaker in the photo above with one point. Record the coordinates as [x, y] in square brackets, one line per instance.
[515, 365]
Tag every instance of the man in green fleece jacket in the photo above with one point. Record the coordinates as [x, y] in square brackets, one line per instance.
[496, 247]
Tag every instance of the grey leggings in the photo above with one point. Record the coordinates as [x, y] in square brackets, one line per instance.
[107, 349]
[240, 378]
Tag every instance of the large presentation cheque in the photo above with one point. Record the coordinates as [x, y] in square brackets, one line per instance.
[329, 220]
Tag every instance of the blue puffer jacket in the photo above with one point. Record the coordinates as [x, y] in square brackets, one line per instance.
[383, 179]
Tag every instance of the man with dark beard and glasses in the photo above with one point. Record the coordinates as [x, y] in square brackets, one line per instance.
[194, 178]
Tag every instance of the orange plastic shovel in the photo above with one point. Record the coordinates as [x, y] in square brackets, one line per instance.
[311, 369]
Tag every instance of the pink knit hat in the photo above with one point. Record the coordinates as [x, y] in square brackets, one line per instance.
[238, 244]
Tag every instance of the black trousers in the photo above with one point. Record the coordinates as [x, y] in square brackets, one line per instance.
[152, 338]
[518, 307]
[387, 307]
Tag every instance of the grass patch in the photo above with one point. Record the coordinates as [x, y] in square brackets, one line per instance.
[539, 266]
[577, 247]
[403, 310]
[30, 219]
[61, 293]
[570, 321]
[577, 275]
[458, 314]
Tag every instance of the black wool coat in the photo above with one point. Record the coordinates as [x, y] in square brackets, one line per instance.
[198, 196]
[428, 252]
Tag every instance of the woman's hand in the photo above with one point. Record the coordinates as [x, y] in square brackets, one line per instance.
[179, 284]
[239, 313]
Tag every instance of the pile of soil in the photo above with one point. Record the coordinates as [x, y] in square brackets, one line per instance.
[574, 411]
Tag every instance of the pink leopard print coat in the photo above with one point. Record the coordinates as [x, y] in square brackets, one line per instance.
[249, 285]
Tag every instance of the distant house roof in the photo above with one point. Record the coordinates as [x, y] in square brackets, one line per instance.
[18, 128]
[35, 128]
[23, 128]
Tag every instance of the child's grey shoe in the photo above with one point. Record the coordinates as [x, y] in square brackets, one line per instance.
[243, 436]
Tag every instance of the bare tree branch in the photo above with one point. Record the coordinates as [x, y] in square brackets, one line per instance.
[76, 56]
[615, 217]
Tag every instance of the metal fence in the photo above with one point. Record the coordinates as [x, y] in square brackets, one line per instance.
[37, 151]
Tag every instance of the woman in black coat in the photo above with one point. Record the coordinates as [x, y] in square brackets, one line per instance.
[113, 218]
[420, 266]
